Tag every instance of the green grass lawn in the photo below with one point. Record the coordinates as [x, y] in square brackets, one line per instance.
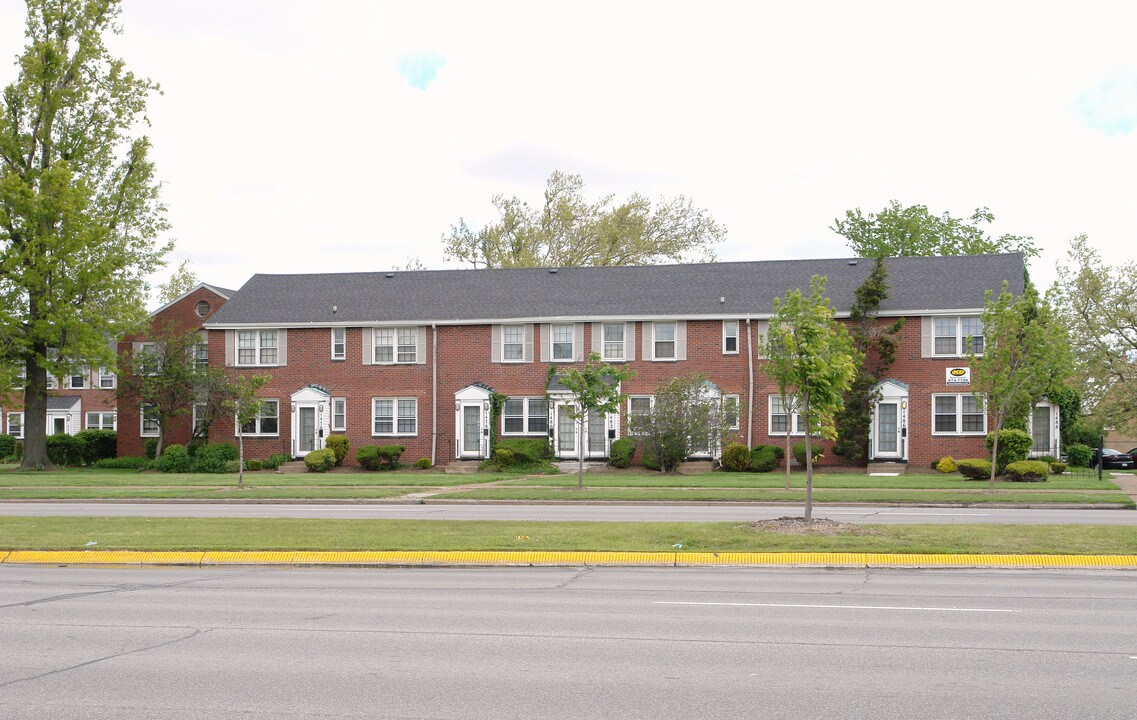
[69, 533]
[827, 480]
[84, 477]
[977, 495]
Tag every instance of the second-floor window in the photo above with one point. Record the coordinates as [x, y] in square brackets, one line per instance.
[257, 347]
[562, 342]
[957, 336]
[663, 342]
[613, 347]
[78, 380]
[730, 337]
[513, 343]
[339, 343]
[106, 379]
[396, 345]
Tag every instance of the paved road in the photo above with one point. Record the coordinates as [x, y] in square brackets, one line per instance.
[614, 513]
[566, 643]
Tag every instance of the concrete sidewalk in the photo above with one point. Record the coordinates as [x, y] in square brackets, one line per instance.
[541, 558]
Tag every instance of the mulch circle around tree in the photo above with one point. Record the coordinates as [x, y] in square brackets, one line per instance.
[820, 526]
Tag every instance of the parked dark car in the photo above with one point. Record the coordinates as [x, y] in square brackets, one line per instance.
[1114, 459]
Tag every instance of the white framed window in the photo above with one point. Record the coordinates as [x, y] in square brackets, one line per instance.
[339, 343]
[107, 379]
[51, 382]
[958, 414]
[21, 379]
[395, 345]
[339, 414]
[102, 421]
[730, 404]
[513, 343]
[201, 352]
[147, 360]
[198, 418]
[80, 379]
[394, 416]
[257, 347]
[730, 337]
[15, 424]
[613, 347]
[663, 341]
[525, 416]
[957, 336]
[148, 421]
[779, 419]
[562, 342]
[267, 421]
[640, 404]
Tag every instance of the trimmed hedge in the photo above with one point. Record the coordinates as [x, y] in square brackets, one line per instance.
[975, 469]
[64, 449]
[764, 458]
[339, 445]
[1057, 467]
[815, 449]
[736, 458]
[7, 446]
[98, 445]
[320, 460]
[1028, 471]
[621, 452]
[214, 458]
[423, 464]
[1079, 455]
[175, 459]
[526, 449]
[1014, 445]
[125, 462]
[382, 457]
[946, 465]
[253, 465]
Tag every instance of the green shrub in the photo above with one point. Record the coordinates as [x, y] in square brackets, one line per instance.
[320, 460]
[253, 465]
[213, 458]
[621, 452]
[1015, 423]
[7, 446]
[651, 462]
[1047, 459]
[1079, 455]
[1028, 471]
[98, 445]
[339, 445]
[529, 450]
[19, 449]
[764, 458]
[64, 449]
[1014, 445]
[1057, 467]
[232, 466]
[736, 458]
[946, 465]
[383, 457]
[505, 458]
[935, 464]
[123, 463]
[150, 447]
[175, 459]
[975, 469]
[272, 462]
[424, 464]
[815, 449]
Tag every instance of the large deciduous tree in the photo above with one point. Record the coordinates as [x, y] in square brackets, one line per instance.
[901, 231]
[811, 356]
[80, 214]
[1099, 303]
[181, 282]
[876, 343]
[1025, 353]
[569, 230]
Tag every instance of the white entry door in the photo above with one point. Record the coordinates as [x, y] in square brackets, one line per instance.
[306, 430]
[568, 440]
[887, 430]
[472, 436]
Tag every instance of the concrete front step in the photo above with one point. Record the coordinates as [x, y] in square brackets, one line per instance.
[887, 468]
[461, 466]
[294, 466]
[695, 467]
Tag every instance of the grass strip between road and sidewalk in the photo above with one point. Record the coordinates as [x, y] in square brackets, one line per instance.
[245, 534]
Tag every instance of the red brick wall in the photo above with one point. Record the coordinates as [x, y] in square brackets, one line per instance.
[179, 317]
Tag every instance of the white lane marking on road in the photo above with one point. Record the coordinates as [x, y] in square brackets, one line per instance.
[912, 513]
[839, 607]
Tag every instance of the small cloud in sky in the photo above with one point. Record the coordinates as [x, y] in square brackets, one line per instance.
[1111, 105]
[420, 69]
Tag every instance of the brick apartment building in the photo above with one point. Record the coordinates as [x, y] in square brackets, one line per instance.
[412, 358]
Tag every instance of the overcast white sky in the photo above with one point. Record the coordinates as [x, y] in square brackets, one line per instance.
[343, 136]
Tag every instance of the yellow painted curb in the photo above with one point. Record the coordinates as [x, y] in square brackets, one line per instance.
[526, 557]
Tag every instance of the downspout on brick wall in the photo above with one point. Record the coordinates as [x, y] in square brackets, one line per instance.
[750, 388]
[434, 397]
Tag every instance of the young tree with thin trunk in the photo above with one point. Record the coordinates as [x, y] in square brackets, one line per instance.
[593, 388]
[811, 354]
[1026, 351]
[79, 208]
[242, 403]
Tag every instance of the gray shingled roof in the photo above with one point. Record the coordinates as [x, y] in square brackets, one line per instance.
[61, 402]
[915, 283]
